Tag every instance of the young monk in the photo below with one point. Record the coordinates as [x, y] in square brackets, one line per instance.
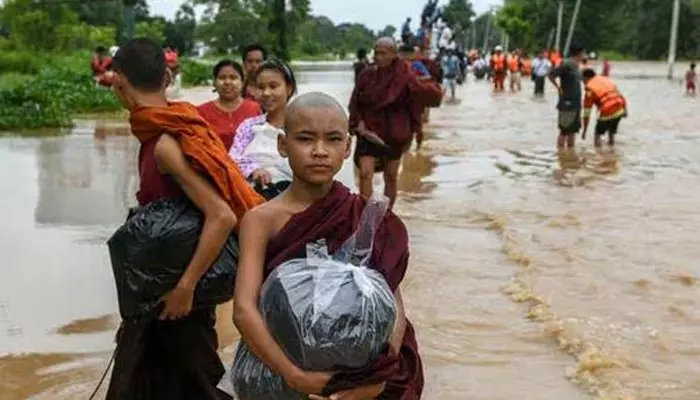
[174, 355]
[316, 207]
[384, 115]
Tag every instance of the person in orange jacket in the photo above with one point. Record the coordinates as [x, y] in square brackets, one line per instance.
[527, 65]
[515, 67]
[498, 69]
[602, 92]
[555, 58]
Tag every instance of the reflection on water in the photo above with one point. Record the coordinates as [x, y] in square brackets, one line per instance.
[85, 179]
[566, 275]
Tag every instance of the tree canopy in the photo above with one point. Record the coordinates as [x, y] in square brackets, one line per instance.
[632, 28]
[287, 28]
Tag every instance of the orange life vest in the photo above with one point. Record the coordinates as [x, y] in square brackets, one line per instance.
[499, 62]
[556, 59]
[527, 67]
[605, 95]
[514, 63]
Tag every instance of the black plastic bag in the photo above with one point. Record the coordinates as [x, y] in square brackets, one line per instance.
[326, 312]
[151, 251]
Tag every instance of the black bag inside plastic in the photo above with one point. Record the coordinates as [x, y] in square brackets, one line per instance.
[325, 312]
[151, 251]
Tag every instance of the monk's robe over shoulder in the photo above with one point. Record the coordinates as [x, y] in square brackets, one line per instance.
[335, 218]
[201, 145]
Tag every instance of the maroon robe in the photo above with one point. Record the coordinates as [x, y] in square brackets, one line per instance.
[335, 218]
[384, 99]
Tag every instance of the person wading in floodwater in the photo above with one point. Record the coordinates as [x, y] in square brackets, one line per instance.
[384, 115]
[570, 94]
[316, 207]
[173, 356]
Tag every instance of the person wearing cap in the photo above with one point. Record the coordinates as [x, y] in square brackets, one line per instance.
[498, 69]
[173, 63]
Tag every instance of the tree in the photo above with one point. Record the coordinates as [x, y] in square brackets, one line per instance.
[511, 19]
[154, 30]
[459, 12]
[180, 33]
[353, 37]
[388, 31]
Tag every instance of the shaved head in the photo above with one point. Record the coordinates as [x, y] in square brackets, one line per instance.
[316, 138]
[385, 52]
[386, 42]
[313, 100]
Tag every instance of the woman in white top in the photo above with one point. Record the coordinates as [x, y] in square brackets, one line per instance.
[255, 144]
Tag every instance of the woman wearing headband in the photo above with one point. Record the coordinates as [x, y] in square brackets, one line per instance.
[255, 143]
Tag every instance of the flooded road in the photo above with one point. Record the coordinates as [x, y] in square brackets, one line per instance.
[534, 275]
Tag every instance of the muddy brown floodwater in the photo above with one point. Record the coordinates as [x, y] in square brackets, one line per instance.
[534, 275]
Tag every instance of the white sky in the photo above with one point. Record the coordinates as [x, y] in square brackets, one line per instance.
[393, 12]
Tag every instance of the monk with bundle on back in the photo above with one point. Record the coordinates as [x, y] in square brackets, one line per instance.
[173, 355]
[384, 115]
[316, 207]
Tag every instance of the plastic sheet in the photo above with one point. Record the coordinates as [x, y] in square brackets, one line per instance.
[151, 251]
[325, 311]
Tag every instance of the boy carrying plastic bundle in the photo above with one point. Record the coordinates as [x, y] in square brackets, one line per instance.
[172, 355]
[316, 207]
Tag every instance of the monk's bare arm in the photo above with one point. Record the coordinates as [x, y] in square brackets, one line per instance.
[219, 219]
[254, 237]
[396, 339]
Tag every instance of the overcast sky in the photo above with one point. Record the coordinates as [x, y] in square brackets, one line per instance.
[368, 12]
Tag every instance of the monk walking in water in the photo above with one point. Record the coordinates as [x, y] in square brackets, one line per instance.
[316, 207]
[174, 355]
[384, 115]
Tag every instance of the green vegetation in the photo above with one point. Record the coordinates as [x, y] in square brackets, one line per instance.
[51, 98]
[45, 49]
[627, 29]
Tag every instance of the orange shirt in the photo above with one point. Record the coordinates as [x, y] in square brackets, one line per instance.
[226, 123]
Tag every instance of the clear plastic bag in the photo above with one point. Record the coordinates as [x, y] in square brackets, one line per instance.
[325, 311]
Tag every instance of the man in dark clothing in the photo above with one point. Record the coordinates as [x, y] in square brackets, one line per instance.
[361, 63]
[570, 96]
[406, 33]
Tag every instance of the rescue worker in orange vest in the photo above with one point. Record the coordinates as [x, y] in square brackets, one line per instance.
[602, 92]
[498, 69]
[527, 66]
[515, 67]
[556, 58]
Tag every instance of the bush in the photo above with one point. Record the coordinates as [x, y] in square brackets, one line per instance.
[22, 62]
[51, 99]
[195, 73]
